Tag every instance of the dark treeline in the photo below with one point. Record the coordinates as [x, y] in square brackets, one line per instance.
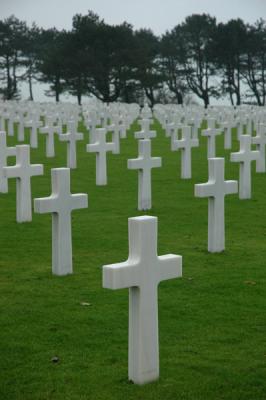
[199, 57]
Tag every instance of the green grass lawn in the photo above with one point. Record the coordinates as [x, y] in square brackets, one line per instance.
[212, 321]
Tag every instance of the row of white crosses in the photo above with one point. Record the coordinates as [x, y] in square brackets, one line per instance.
[60, 203]
[141, 273]
[216, 188]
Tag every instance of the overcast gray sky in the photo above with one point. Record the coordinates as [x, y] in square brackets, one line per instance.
[159, 15]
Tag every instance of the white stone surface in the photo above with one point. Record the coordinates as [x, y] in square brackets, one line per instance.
[145, 132]
[245, 156]
[49, 130]
[5, 152]
[142, 273]
[211, 132]
[185, 145]
[216, 189]
[100, 147]
[227, 127]
[33, 124]
[260, 141]
[61, 203]
[23, 171]
[144, 163]
[71, 137]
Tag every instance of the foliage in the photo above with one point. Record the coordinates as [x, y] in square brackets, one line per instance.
[114, 62]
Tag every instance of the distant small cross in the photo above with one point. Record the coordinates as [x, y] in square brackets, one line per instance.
[100, 147]
[144, 163]
[211, 132]
[71, 137]
[185, 145]
[5, 152]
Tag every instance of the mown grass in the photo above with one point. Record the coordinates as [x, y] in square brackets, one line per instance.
[212, 321]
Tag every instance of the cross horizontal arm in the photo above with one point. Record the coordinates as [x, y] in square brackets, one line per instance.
[170, 266]
[36, 169]
[231, 187]
[120, 276]
[135, 163]
[204, 189]
[46, 204]
[12, 171]
[79, 200]
[11, 151]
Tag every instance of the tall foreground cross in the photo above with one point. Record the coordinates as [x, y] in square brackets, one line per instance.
[61, 203]
[142, 273]
[23, 171]
[245, 156]
[216, 189]
[144, 163]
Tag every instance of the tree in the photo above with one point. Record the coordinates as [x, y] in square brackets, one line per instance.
[228, 50]
[198, 31]
[12, 35]
[146, 59]
[106, 50]
[254, 68]
[51, 60]
[30, 51]
[173, 61]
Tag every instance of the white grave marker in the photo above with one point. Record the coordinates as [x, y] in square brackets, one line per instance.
[61, 203]
[211, 132]
[100, 147]
[216, 189]
[145, 132]
[245, 156]
[23, 171]
[144, 163]
[5, 152]
[71, 137]
[142, 273]
[260, 141]
[185, 144]
[49, 130]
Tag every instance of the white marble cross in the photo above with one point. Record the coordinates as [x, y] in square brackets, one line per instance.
[100, 147]
[71, 137]
[61, 203]
[185, 144]
[260, 141]
[23, 171]
[145, 132]
[216, 189]
[227, 127]
[33, 124]
[5, 152]
[114, 129]
[144, 163]
[142, 273]
[245, 156]
[211, 132]
[49, 130]
[173, 127]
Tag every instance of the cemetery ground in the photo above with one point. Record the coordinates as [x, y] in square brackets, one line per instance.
[66, 337]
